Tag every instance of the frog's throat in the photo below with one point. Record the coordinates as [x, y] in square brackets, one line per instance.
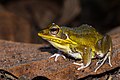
[57, 40]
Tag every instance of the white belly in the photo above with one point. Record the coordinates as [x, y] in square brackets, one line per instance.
[66, 49]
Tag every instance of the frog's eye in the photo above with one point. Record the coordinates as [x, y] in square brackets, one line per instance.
[54, 31]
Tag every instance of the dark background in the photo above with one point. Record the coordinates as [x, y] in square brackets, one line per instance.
[21, 20]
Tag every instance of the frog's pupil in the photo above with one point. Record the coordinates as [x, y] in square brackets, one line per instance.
[54, 31]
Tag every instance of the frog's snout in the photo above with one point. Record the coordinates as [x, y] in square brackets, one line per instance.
[40, 32]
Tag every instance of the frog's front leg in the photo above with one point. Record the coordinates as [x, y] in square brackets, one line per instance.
[56, 55]
[87, 56]
[104, 47]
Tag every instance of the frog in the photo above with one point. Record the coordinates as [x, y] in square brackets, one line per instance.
[84, 43]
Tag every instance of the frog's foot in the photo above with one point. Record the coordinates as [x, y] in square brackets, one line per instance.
[102, 61]
[56, 55]
[81, 65]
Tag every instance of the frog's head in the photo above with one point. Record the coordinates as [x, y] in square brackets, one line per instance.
[55, 34]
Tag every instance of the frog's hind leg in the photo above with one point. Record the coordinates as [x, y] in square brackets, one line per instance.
[107, 56]
[109, 60]
[106, 48]
[102, 62]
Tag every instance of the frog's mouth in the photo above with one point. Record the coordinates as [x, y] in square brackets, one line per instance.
[55, 39]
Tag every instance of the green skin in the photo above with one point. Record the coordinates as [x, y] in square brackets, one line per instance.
[82, 42]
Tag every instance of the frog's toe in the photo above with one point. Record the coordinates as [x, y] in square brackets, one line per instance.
[110, 64]
[56, 56]
[109, 61]
[82, 67]
[80, 64]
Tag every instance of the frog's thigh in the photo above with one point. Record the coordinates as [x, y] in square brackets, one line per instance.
[87, 56]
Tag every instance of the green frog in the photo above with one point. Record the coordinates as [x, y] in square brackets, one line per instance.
[83, 43]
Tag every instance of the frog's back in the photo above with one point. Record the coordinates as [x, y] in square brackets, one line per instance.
[84, 29]
[85, 34]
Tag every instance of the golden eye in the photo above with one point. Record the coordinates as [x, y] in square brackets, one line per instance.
[54, 31]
